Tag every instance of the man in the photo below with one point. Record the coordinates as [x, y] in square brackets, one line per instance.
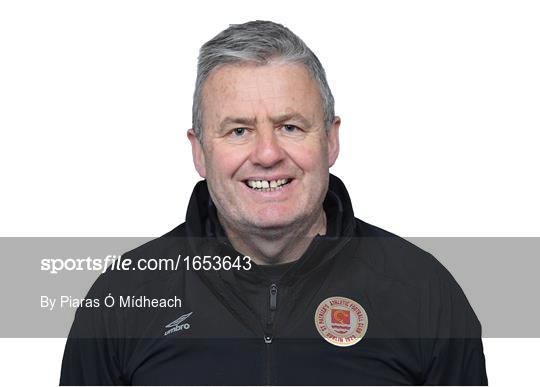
[326, 298]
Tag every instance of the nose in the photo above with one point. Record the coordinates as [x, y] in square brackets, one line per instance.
[267, 150]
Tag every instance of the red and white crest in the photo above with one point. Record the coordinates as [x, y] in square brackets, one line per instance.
[341, 321]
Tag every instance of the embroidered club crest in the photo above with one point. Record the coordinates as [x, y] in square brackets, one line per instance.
[341, 321]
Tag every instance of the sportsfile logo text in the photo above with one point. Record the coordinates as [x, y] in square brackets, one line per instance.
[114, 262]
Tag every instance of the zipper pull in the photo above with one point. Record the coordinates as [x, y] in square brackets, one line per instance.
[273, 297]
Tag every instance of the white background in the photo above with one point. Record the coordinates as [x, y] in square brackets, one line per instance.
[439, 102]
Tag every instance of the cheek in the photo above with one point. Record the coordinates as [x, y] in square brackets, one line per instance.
[225, 161]
[309, 157]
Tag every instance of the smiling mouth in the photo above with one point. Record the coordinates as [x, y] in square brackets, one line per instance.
[267, 185]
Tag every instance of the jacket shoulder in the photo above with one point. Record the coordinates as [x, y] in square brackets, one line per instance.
[392, 260]
[154, 261]
[396, 257]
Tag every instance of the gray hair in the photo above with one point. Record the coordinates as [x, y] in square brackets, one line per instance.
[259, 42]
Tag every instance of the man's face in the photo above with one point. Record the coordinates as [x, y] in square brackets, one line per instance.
[265, 152]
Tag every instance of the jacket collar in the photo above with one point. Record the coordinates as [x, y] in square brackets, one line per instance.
[207, 235]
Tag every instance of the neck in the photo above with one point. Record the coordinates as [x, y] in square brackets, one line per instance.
[276, 246]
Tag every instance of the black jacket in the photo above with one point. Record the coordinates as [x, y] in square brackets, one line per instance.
[239, 327]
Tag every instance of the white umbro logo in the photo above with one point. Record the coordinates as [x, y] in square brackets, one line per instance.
[177, 325]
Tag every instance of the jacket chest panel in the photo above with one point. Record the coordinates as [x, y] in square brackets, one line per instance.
[285, 361]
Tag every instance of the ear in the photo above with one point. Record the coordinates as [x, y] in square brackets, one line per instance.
[333, 141]
[197, 153]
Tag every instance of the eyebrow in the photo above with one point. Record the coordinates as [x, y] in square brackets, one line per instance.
[252, 121]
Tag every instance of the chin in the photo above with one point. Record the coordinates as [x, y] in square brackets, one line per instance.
[252, 222]
[272, 224]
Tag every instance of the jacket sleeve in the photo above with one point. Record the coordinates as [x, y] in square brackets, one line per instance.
[91, 352]
[453, 347]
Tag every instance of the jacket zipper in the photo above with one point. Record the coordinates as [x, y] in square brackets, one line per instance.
[269, 333]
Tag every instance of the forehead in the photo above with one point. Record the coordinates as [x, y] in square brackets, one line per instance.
[248, 89]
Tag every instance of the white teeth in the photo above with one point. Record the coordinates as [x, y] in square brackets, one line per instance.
[266, 185]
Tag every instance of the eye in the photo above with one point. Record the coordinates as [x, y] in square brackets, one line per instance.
[290, 128]
[239, 131]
